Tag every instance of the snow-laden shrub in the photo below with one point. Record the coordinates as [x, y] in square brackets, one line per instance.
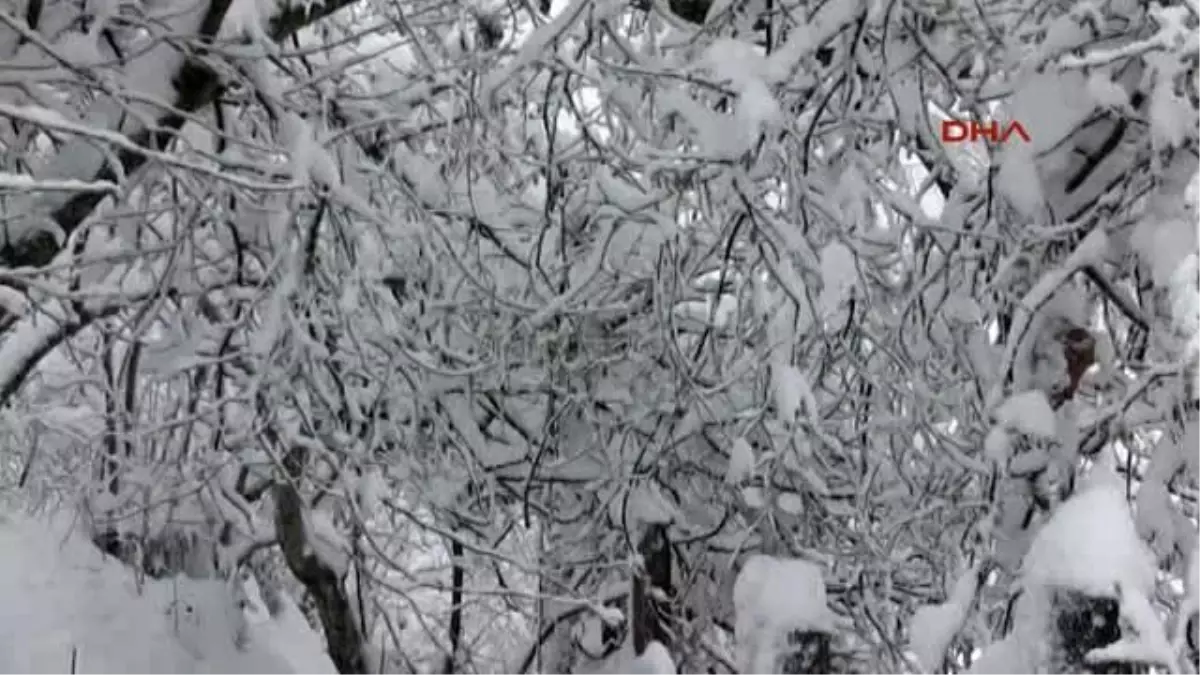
[783, 619]
[1085, 593]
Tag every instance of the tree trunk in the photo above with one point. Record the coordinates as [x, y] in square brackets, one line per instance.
[653, 591]
[343, 636]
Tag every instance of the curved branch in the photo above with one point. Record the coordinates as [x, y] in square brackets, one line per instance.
[34, 336]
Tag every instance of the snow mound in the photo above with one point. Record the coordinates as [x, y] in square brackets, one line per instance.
[933, 627]
[66, 603]
[771, 597]
[1090, 544]
[1029, 412]
[784, 591]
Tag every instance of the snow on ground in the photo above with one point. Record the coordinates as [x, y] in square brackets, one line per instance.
[63, 601]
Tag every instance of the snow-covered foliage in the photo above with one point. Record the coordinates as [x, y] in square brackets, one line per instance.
[424, 314]
[933, 627]
[1090, 544]
[773, 597]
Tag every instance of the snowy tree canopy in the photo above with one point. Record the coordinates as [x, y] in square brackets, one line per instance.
[520, 336]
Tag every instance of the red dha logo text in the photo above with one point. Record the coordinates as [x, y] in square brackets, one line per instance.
[954, 131]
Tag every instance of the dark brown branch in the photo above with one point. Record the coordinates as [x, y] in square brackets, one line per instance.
[33, 16]
[131, 366]
[111, 466]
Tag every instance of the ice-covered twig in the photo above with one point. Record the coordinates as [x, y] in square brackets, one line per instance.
[1173, 31]
[26, 183]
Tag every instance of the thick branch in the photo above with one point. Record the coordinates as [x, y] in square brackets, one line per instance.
[33, 337]
[197, 86]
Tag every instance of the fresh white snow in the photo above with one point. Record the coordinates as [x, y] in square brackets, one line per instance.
[741, 462]
[771, 597]
[656, 660]
[933, 627]
[792, 393]
[64, 600]
[26, 183]
[1029, 412]
[1090, 544]
[839, 275]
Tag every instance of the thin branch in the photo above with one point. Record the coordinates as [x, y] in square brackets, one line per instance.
[1123, 302]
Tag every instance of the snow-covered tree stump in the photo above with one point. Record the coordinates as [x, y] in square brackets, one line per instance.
[1082, 623]
[1084, 605]
[783, 622]
[805, 651]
